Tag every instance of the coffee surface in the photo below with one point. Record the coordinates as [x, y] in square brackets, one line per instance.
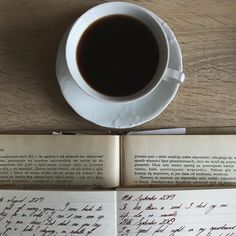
[117, 55]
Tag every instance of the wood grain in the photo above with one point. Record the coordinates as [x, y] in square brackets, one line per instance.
[30, 31]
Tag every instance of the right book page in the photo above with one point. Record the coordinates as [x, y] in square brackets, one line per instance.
[178, 159]
[209, 212]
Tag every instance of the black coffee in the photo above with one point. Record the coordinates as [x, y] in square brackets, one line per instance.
[117, 55]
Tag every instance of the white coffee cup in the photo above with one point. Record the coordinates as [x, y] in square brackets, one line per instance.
[142, 14]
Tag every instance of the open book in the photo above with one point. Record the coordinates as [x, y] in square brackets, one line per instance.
[107, 161]
[208, 212]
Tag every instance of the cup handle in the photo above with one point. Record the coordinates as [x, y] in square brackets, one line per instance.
[173, 75]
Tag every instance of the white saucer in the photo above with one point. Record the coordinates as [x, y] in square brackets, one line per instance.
[120, 115]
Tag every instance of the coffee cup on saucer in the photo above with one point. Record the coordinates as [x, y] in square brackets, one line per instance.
[118, 55]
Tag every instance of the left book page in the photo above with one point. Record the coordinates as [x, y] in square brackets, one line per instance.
[59, 161]
[51, 213]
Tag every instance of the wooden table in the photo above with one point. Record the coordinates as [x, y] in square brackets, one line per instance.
[30, 31]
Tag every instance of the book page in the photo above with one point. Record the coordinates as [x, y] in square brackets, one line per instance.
[180, 159]
[51, 213]
[210, 212]
[59, 160]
